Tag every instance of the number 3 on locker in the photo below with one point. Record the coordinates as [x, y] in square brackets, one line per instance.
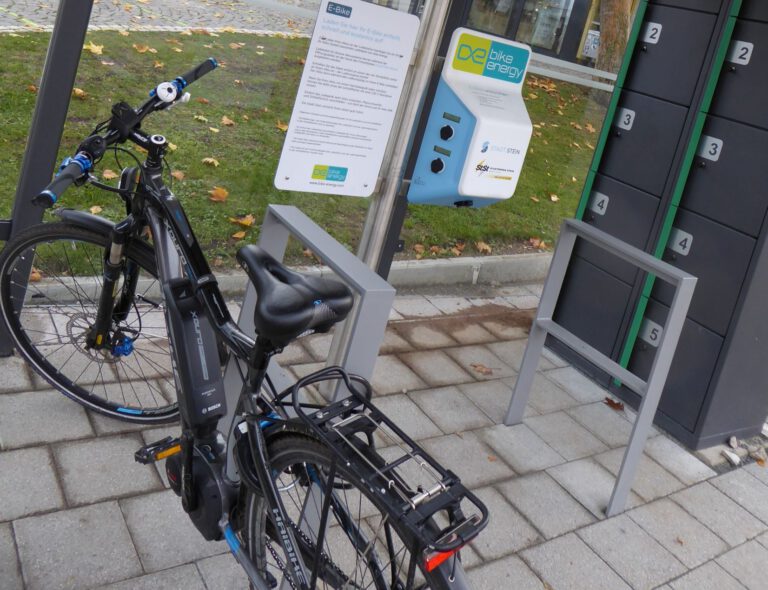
[710, 148]
[625, 119]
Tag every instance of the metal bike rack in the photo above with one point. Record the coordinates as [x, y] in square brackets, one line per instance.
[650, 390]
[368, 319]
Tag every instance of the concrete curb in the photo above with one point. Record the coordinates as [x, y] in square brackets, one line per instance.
[485, 270]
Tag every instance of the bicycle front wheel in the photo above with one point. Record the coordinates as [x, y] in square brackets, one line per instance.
[62, 268]
[362, 546]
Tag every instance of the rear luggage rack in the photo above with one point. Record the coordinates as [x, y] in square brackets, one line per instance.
[413, 486]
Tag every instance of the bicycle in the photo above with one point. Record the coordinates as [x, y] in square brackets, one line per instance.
[310, 500]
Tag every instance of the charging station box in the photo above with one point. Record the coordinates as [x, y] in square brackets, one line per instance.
[478, 130]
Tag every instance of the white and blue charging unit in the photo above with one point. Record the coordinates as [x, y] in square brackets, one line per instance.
[478, 130]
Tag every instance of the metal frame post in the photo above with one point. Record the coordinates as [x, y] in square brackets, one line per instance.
[48, 120]
[651, 390]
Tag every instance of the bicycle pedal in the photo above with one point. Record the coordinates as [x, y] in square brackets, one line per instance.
[158, 451]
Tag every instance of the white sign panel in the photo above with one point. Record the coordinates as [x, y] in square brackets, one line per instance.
[347, 98]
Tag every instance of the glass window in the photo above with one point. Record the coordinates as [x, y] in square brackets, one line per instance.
[544, 22]
[491, 16]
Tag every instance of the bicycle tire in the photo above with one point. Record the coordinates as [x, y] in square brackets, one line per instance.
[295, 456]
[48, 324]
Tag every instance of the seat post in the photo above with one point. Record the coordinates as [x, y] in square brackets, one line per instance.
[259, 362]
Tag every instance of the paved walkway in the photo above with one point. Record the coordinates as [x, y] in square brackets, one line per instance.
[288, 16]
[76, 512]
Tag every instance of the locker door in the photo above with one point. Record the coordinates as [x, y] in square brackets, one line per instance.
[670, 53]
[643, 139]
[692, 367]
[719, 257]
[623, 212]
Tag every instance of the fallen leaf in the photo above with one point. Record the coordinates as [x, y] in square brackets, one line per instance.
[589, 145]
[238, 235]
[483, 248]
[554, 198]
[492, 459]
[455, 251]
[281, 126]
[460, 246]
[307, 252]
[218, 194]
[535, 199]
[234, 46]
[533, 96]
[302, 61]
[201, 118]
[176, 49]
[211, 162]
[679, 541]
[124, 33]
[561, 113]
[574, 179]
[482, 369]
[107, 63]
[244, 220]
[246, 118]
[172, 146]
[109, 174]
[590, 129]
[140, 47]
[613, 404]
[213, 129]
[419, 248]
[79, 93]
[95, 209]
[32, 88]
[178, 175]
[226, 121]
[576, 145]
[159, 65]
[535, 242]
[93, 48]
[576, 125]
[202, 100]
[35, 275]
[435, 250]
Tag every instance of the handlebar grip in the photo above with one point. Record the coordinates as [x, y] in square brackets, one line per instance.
[208, 65]
[72, 171]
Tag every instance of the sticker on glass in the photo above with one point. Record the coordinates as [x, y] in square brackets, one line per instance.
[741, 52]
[625, 119]
[710, 148]
[680, 242]
[599, 203]
[651, 332]
[652, 33]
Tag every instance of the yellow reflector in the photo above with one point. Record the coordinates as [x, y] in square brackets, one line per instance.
[168, 452]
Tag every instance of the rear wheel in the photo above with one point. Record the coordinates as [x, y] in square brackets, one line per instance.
[62, 265]
[362, 546]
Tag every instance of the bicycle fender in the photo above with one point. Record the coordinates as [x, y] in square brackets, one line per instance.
[86, 220]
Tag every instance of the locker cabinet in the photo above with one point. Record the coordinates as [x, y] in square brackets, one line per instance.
[670, 53]
[644, 136]
[755, 10]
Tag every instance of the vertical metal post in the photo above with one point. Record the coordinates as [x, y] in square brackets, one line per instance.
[383, 203]
[51, 108]
[647, 410]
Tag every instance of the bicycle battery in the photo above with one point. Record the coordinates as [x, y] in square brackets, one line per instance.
[199, 383]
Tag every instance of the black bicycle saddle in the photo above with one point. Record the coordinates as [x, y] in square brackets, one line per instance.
[290, 303]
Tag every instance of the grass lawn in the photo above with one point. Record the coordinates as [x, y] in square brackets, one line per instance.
[254, 91]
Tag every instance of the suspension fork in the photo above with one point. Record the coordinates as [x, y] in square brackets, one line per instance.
[99, 335]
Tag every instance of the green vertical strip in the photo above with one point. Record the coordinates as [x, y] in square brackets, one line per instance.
[612, 105]
[682, 180]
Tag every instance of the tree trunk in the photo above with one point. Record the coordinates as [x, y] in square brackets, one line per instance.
[614, 31]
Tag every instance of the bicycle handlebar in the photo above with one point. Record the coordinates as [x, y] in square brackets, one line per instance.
[124, 125]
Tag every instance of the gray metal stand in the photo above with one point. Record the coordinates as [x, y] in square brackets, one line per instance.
[48, 120]
[544, 324]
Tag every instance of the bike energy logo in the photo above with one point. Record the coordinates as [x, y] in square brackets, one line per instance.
[483, 57]
[330, 173]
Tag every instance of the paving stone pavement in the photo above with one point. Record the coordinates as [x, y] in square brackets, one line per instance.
[77, 513]
[284, 16]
